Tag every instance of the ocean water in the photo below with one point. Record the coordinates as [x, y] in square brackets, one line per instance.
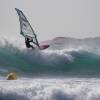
[50, 89]
[68, 70]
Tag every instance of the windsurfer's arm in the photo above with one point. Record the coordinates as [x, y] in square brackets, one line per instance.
[31, 40]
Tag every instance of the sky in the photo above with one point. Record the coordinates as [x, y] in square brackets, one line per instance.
[52, 18]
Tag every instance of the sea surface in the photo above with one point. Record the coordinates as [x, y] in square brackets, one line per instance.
[68, 70]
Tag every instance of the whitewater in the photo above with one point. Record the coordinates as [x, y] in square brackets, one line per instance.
[68, 70]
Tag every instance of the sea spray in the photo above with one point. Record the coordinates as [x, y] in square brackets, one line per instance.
[75, 58]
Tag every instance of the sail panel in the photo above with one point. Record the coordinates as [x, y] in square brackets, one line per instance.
[25, 28]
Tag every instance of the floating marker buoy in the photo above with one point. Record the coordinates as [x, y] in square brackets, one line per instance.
[11, 76]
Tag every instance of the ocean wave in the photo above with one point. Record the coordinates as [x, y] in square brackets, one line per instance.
[71, 60]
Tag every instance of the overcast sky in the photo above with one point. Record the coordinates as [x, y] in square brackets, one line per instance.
[52, 18]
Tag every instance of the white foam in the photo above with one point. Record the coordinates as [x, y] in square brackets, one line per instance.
[51, 89]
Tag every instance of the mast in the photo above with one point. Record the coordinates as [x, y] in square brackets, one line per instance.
[25, 27]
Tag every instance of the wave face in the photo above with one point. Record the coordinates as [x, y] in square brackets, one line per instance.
[66, 56]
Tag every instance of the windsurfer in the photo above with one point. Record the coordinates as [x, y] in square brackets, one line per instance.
[27, 31]
[27, 42]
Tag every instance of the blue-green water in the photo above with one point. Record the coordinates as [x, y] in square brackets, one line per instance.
[51, 62]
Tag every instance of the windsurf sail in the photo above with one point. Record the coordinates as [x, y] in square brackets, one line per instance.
[25, 28]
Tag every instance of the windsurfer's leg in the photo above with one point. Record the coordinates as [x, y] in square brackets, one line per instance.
[31, 46]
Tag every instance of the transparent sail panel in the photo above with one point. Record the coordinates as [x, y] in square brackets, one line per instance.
[25, 27]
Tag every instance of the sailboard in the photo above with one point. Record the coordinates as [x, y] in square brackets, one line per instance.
[26, 29]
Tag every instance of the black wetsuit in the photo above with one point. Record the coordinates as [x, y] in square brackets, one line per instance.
[27, 42]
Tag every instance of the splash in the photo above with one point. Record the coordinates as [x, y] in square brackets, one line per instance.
[51, 89]
[62, 58]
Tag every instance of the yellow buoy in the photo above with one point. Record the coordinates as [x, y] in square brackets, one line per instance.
[11, 76]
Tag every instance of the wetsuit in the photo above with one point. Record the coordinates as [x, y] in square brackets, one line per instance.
[27, 42]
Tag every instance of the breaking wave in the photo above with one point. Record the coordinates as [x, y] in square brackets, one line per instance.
[64, 57]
